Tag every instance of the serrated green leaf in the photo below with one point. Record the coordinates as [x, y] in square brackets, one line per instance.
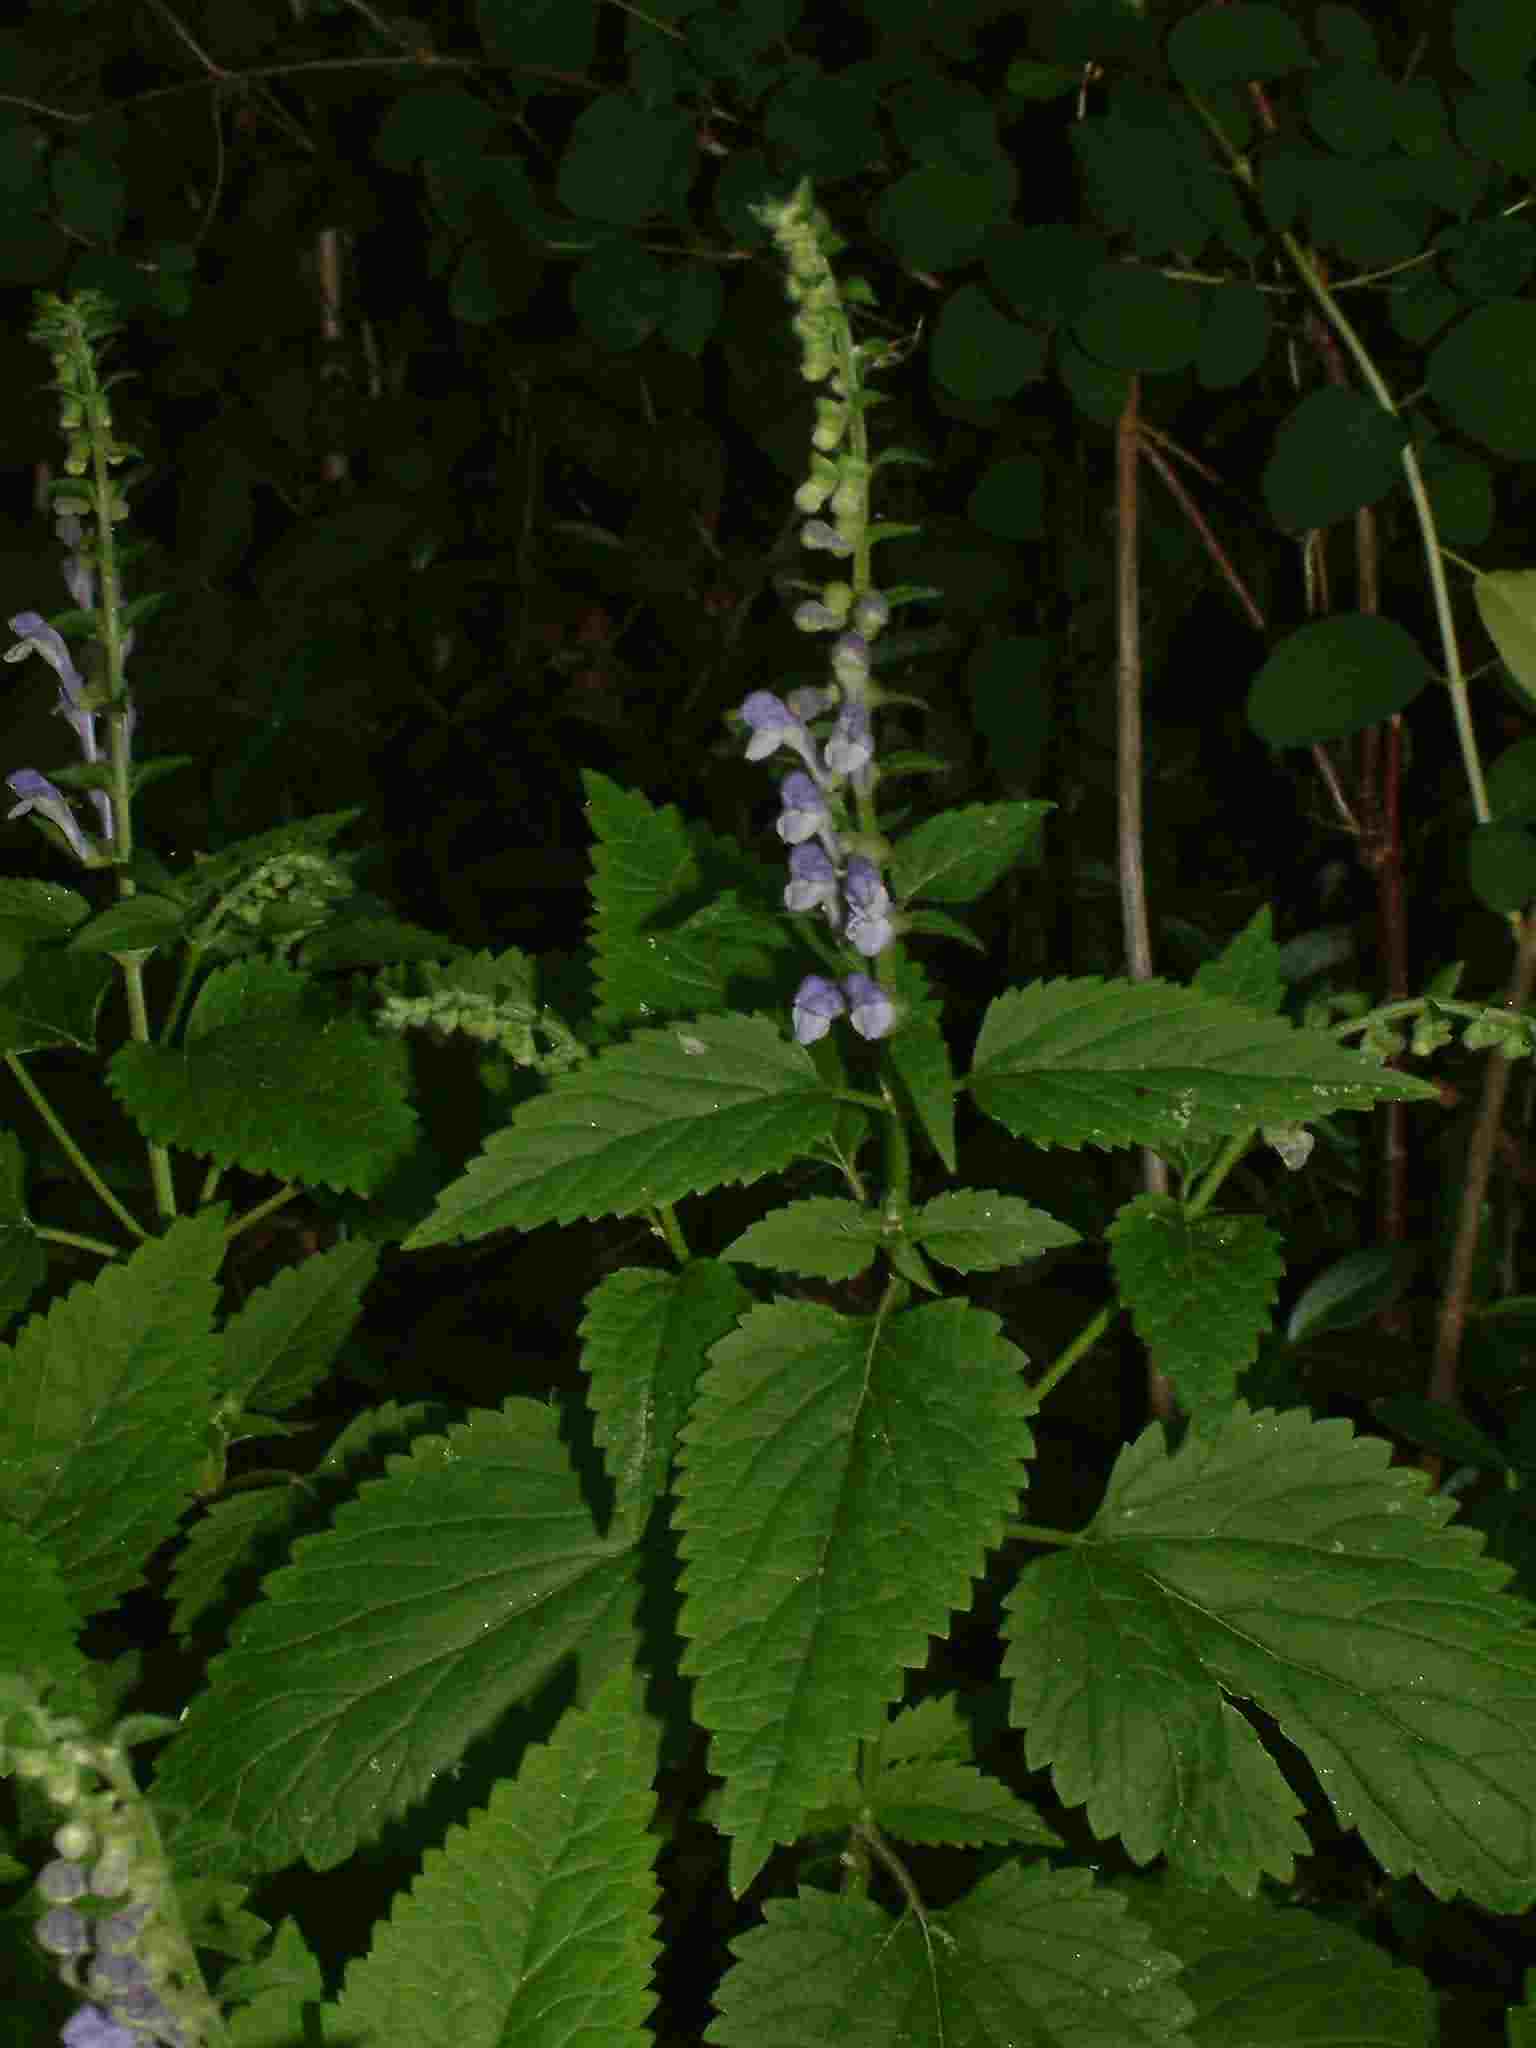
[977, 1230]
[1286, 1561]
[1041, 1958]
[1200, 1290]
[53, 1000]
[223, 1538]
[1085, 1061]
[103, 1405]
[137, 923]
[919, 1053]
[675, 916]
[677, 1110]
[373, 942]
[535, 1923]
[282, 1340]
[839, 1485]
[954, 1803]
[39, 1620]
[823, 1237]
[383, 1650]
[221, 871]
[1248, 969]
[958, 855]
[1272, 1975]
[281, 1089]
[37, 911]
[645, 1338]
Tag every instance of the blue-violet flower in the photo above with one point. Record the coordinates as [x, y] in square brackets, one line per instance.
[817, 1002]
[870, 1010]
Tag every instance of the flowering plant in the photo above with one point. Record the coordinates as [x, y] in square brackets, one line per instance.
[836, 1470]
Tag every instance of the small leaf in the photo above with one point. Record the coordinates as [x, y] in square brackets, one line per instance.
[1335, 677]
[1506, 602]
[1352, 1290]
[1200, 1290]
[958, 855]
[976, 1230]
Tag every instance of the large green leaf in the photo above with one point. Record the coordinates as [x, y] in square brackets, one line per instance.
[1484, 374]
[673, 1112]
[1077, 1062]
[267, 1083]
[440, 1597]
[1270, 1974]
[1039, 1958]
[840, 1484]
[1288, 1562]
[535, 1923]
[104, 1402]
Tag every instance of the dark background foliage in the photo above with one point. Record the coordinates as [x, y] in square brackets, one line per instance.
[471, 419]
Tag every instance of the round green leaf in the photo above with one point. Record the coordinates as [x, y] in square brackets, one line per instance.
[620, 294]
[625, 162]
[1512, 785]
[1234, 333]
[1501, 866]
[1334, 677]
[1043, 271]
[936, 217]
[1138, 319]
[1490, 259]
[979, 353]
[1337, 451]
[1010, 499]
[1461, 496]
[1344, 34]
[1354, 110]
[1493, 39]
[1096, 390]
[697, 300]
[1228, 45]
[437, 121]
[1484, 374]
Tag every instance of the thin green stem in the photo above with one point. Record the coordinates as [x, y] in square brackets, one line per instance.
[76, 1239]
[290, 1191]
[1085, 1340]
[71, 1150]
[1338, 320]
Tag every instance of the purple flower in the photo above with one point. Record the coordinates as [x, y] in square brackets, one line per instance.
[816, 533]
[804, 813]
[63, 1932]
[870, 1010]
[79, 573]
[38, 794]
[774, 725]
[850, 660]
[90, 2028]
[815, 617]
[813, 884]
[60, 1881]
[817, 1002]
[850, 746]
[869, 930]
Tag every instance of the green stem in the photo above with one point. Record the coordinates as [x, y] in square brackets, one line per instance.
[74, 1237]
[132, 965]
[71, 1150]
[289, 1192]
[1338, 320]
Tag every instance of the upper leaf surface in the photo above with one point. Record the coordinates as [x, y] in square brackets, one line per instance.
[1038, 1958]
[672, 1112]
[841, 1480]
[534, 1923]
[1285, 1561]
[444, 1592]
[1086, 1061]
[103, 1405]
